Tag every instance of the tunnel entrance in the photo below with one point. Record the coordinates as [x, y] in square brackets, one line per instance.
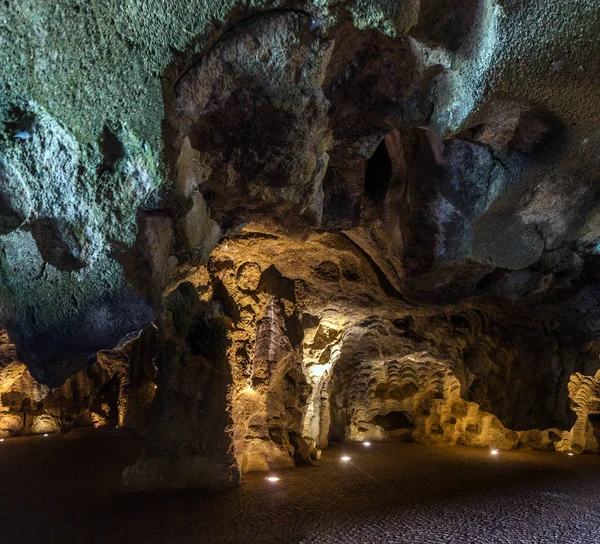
[594, 419]
[394, 421]
[105, 408]
[378, 174]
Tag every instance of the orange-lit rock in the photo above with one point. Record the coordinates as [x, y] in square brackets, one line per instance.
[97, 396]
[325, 222]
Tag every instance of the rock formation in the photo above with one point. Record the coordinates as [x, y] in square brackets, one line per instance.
[116, 390]
[324, 221]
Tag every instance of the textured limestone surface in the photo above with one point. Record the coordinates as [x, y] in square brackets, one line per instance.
[309, 366]
[70, 230]
[86, 89]
[342, 220]
[188, 444]
[117, 390]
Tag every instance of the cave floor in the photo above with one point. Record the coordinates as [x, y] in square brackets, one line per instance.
[64, 489]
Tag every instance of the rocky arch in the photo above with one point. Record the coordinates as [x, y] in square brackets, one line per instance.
[275, 126]
[485, 229]
[415, 380]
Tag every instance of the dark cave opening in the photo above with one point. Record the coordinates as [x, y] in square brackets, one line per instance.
[394, 421]
[378, 174]
[594, 419]
[106, 402]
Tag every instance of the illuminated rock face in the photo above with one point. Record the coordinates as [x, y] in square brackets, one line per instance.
[116, 390]
[346, 220]
[584, 396]
[309, 365]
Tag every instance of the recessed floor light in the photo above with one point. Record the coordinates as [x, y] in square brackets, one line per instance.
[366, 444]
[570, 454]
[494, 452]
[45, 434]
[345, 458]
[273, 479]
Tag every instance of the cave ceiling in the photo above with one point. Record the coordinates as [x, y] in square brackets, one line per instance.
[376, 168]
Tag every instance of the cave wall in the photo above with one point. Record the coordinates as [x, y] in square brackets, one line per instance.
[98, 103]
[454, 378]
[310, 366]
[117, 390]
[345, 219]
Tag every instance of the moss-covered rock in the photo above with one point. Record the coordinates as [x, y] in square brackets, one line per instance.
[77, 208]
[89, 140]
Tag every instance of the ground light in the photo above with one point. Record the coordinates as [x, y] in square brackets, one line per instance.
[570, 454]
[494, 452]
[366, 444]
[345, 458]
[272, 478]
[1, 439]
[45, 435]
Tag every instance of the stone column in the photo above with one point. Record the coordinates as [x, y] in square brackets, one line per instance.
[189, 444]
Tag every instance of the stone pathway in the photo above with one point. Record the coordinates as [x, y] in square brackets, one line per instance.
[59, 490]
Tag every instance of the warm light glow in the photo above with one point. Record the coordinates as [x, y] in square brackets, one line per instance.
[1, 439]
[570, 454]
[318, 370]
[273, 479]
[345, 458]
[366, 444]
[494, 452]
[45, 434]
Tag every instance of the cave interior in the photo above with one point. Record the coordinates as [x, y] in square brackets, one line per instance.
[257, 233]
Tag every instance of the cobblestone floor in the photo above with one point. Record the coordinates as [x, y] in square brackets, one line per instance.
[61, 490]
